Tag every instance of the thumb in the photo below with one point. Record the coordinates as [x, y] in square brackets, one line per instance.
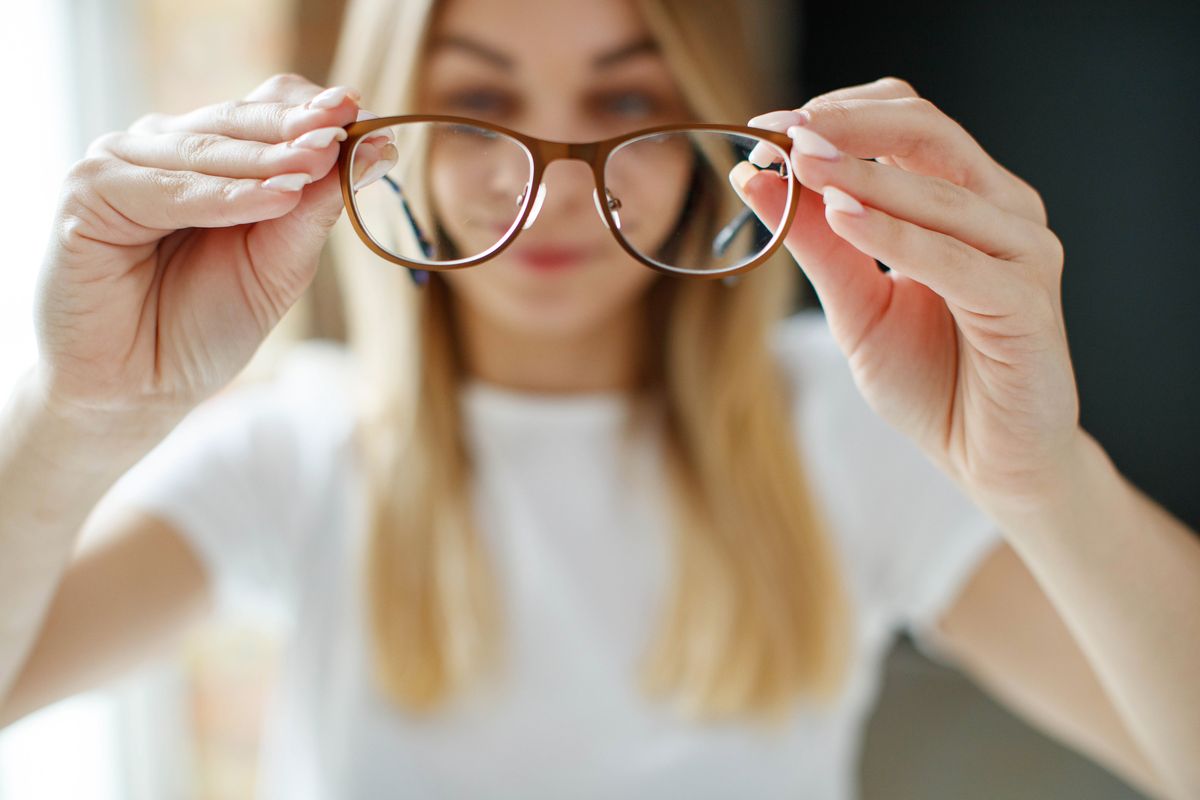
[302, 232]
[296, 238]
[851, 288]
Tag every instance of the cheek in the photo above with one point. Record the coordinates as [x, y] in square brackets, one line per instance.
[652, 192]
[476, 200]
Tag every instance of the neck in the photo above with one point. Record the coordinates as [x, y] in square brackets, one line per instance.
[599, 358]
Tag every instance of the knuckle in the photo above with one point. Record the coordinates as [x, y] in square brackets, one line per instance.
[899, 83]
[1036, 202]
[225, 115]
[196, 149]
[282, 85]
[946, 194]
[229, 189]
[175, 187]
[148, 123]
[1053, 246]
[288, 79]
[228, 193]
[277, 83]
[89, 167]
[918, 104]
[103, 144]
[835, 110]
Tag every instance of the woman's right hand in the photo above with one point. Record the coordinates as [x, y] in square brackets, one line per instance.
[171, 259]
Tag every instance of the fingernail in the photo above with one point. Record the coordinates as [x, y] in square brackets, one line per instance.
[388, 135]
[739, 176]
[765, 154]
[810, 143]
[779, 120]
[330, 98]
[838, 200]
[291, 182]
[374, 173]
[319, 139]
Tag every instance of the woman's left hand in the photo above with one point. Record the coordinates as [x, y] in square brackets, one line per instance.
[962, 345]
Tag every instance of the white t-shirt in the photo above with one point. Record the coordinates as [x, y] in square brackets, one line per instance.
[261, 480]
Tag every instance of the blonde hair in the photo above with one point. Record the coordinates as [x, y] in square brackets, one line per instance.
[758, 613]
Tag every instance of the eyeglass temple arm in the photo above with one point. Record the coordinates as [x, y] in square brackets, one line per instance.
[419, 276]
[726, 235]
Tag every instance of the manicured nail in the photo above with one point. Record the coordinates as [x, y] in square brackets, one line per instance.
[764, 154]
[291, 182]
[387, 135]
[838, 200]
[319, 139]
[374, 173]
[330, 98]
[810, 143]
[779, 120]
[739, 176]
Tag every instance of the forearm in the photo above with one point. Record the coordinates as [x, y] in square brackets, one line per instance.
[53, 471]
[1125, 576]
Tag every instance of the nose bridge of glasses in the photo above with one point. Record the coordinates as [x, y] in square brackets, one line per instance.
[573, 151]
[586, 152]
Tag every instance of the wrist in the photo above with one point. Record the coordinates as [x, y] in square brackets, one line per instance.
[1082, 481]
[86, 438]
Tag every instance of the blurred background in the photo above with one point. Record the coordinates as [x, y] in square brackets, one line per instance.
[1093, 103]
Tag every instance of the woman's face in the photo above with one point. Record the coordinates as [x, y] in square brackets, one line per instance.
[568, 71]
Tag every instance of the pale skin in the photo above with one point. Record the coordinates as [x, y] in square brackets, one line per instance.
[1083, 622]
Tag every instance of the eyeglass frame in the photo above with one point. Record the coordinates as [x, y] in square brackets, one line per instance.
[544, 152]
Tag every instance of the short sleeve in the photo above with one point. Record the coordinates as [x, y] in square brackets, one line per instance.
[910, 538]
[235, 478]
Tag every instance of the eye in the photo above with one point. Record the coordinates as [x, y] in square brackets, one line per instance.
[630, 103]
[471, 131]
[479, 102]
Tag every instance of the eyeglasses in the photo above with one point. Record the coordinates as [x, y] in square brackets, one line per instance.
[435, 193]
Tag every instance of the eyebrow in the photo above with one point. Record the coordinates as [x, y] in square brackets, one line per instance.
[602, 61]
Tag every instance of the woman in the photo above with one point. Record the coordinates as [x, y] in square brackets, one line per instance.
[498, 597]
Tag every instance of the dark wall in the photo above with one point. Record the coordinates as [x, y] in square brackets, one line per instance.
[1097, 105]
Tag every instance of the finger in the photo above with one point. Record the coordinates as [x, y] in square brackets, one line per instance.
[931, 202]
[301, 234]
[953, 269]
[918, 137]
[270, 122]
[142, 203]
[281, 108]
[312, 153]
[885, 88]
[849, 284]
[882, 89]
[292, 88]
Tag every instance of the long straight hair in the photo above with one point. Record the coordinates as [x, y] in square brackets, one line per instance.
[757, 615]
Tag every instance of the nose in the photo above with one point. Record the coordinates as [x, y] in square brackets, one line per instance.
[565, 184]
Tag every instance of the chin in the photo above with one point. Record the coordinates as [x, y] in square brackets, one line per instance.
[549, 316]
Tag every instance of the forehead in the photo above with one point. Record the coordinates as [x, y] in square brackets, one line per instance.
[538, 35]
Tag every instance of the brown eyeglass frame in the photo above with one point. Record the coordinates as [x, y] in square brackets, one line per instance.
[543, 153]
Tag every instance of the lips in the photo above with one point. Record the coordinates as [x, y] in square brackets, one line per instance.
[551, 257]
